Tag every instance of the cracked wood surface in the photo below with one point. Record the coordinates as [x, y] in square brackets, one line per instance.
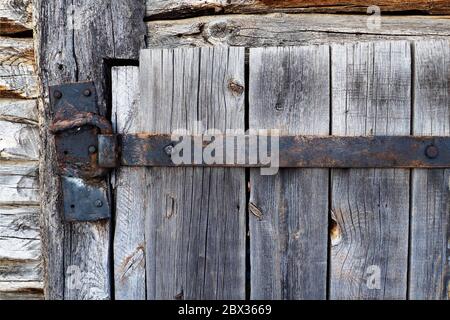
[75, 42]
[15, 16]
[289, 90]
[169, 9]
[194, 217]
[291, 30]
[17, 68]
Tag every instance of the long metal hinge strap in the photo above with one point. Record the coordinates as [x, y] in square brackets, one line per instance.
[158, 150]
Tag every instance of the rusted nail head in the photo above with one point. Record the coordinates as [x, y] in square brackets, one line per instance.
[87, 92]
[57, 94]
[98, 203]
[92, 149]
[432, 151]
[168, 150]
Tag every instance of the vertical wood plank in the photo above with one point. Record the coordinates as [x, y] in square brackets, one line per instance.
[195, 218]
[371, 95]
[430, 188]
[129, 240]
[289, 90]
[75, 39]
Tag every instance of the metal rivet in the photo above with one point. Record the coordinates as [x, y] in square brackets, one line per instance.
[92, 149]
[432, 151]
[87, 92]
[168, 150]
[98, 203]
[57, 94]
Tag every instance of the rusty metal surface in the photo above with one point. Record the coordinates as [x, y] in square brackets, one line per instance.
[309, 152]
[108, 148]
[76, 125]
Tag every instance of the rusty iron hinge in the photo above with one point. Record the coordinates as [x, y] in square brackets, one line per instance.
[87, 149]
[76, 126]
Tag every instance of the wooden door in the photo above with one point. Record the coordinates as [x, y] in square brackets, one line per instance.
[231, 233]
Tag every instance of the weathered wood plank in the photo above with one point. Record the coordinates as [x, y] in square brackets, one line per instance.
[19, 111]
[186, 8]
[18, 183]
[195, 218]
[17, 76]
[289, 30]
[129, 239]
[75, 41]
[21, 290]
[15, 16]
[430, 220]
[19, 222]
[20, 253]
[371, 95]
[18, 141]
[289, 90]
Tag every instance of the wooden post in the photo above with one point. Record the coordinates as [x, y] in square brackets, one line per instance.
[74, 43]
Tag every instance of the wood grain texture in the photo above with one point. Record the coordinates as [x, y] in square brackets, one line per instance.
[75, 41]
[20, 253]
[18, 183]
[290, 30]
[18, 141]
[129, 238]
[19, 111]
[17, 68]
[289, 90]
[430, 222]
[371, 95]
[186, 8]
[195, 218]
[15, 16]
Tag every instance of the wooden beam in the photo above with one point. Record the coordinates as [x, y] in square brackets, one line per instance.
[158, 9]
[290, 30]
[17, 68]
[74, 43]
[430, 218]
[15, 16]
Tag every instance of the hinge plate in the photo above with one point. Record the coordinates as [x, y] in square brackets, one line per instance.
[76, 125]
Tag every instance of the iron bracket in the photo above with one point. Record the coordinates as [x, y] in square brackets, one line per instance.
[76, 126]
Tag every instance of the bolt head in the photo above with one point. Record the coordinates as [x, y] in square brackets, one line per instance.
[432, 151]
[168, 150]
[98, 203]
[92, 149]
[57, 94]
[87, 92]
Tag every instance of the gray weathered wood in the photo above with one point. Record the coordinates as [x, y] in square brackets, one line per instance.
[290, 30]
[195, 218]
[17, 77]
[20, 253]
[289, 90]
[430, 221]
[183, 8]
[19, 111]
[18, 141]
[15, 16]
[371, 95]
[18, 183]
[75, 41]
[129, 239]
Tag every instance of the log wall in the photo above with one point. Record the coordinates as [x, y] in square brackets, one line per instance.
[20, 244]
